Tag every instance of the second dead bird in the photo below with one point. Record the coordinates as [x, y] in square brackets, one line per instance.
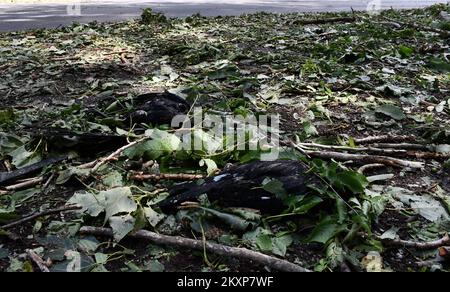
[157, 109]
[241, 186]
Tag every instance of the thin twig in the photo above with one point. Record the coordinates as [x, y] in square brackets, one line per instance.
[419, 245]
[37, 260]
[23, 185]
[298, 148]
[47, 183]
[385, 138]
[79, 57]
[380, 177]
[115, 154]
[405, 146]
[367, 167]
[364, 158]
[381, 151]
[40, 214]
[181, 242]
[324, 20]
[166, 176]
[355, 149]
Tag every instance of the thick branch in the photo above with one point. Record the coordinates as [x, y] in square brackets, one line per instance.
[181, 242]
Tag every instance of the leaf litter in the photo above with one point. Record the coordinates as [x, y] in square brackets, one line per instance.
[70, 92]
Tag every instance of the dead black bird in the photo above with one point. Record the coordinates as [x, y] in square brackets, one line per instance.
[85, 144]
[157, 108]
[241, 186]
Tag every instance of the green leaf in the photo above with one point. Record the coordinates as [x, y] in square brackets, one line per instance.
[121, 226]
[153, 217]
[233, 221]
[6, 115]
[305, 204]
[155, 266]
[8, 143]
[113, 179]
[364, 222]
[65, 175]
[264, 242]
[247, 214]
[280, 245]
[15, 265]
[211, 166]
[392, 90]
[439, 65]
[341, 208]
[88, 245]
[309, 129]
[353, 181]
[4, 253]
[335, 255]
[161, 143]
[325, 230]
[118, 200]
[101, 258]
[21, 157]
[133, 267]
[91, 204]
[391, 233]
[405, 52]
[275, 187]
[21, 196]
[391, 111]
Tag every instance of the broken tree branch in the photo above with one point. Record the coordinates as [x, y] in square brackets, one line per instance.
[380, 177]
[71, 58]
[166, 176]
[381, 151]
[23, 185]
[367, 167]
[115, 154]
[324, 20]
[355, 149]
[385, 138]
[405, 146]
[49, 180]
[181, 242]
[39, 214]
[364, 158]
[37, 260]
[419, 245]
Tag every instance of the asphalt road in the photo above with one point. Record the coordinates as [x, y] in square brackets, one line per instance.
[27, 16]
